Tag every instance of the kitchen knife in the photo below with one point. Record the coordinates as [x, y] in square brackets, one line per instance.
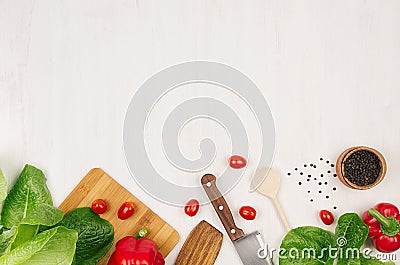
[249, 247]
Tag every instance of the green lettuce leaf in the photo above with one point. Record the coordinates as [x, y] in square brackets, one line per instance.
[60, 249]
[96, 235]
[3, 187]
[30, 201]
[54, 246]
[6, 239]
[24, 233]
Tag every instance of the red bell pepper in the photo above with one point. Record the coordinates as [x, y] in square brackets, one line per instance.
[384, 226]
[130, 251]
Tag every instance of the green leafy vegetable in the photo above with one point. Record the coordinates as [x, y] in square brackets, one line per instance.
[60, 249]
[3, 187]
[29, 201]
[6, 239]
[24, 233]
[96, 235]
[315, 246]
[54, 246]
[352, 230]
[303, 245]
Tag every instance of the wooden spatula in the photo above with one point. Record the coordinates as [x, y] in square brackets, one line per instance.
[201, 247]
[269, 188]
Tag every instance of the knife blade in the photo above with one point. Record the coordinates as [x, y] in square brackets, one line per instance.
[248, 246]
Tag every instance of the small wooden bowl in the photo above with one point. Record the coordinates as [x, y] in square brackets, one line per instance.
[346, 154]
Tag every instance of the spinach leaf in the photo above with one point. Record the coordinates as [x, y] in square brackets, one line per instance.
[315, 246]
[351, 231]
[304, 245]
[96, 235]
[29, 201]
[54, 246]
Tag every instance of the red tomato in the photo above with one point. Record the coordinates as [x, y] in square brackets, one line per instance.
[326, 217]
[192, 207]
[126, 210]
[248, 212]
[99, 206]
[237, 162]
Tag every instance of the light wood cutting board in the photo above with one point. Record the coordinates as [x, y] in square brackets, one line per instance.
[98, 185]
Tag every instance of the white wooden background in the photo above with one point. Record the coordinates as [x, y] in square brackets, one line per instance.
[329, 70]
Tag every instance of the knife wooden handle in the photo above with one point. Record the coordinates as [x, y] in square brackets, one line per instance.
[221, 207]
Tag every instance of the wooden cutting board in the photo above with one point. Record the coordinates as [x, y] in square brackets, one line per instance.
[201, 247]
[98, 185]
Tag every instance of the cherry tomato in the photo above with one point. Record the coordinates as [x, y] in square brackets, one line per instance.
[248, 212]
[326, 217]
[99, 206]
[237, 162]
[126, 210]
[192, 207]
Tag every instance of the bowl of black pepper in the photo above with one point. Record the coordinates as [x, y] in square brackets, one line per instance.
[361, 167]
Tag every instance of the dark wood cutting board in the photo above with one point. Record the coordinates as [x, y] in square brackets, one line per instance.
[201, 247]
[98, 185]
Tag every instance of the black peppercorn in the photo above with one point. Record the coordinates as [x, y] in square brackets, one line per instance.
[362, 168]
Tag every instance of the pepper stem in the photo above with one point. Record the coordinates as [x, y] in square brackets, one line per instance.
[142, 233]
[389, 225]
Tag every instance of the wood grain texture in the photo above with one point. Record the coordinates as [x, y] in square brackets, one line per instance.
[201, 247]
[98, 185]
[221, 207]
